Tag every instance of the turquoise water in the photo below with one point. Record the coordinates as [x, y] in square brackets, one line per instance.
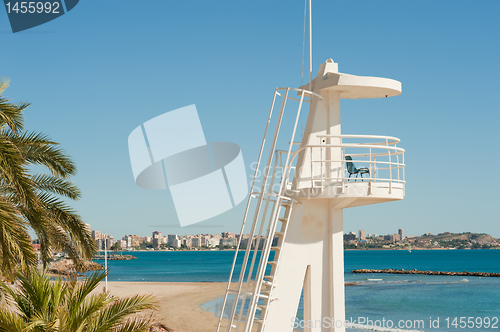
[399, 298]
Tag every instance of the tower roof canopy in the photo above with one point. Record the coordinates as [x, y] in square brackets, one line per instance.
[352, 86]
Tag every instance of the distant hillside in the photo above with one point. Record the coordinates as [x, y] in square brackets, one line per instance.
[445, 240]
[458, 241]
[462, 236]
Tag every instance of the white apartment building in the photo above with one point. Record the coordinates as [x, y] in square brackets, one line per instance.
[212, 243]
[196, 242]
[171, 239]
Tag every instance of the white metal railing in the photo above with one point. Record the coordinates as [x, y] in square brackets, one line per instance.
[380, 155]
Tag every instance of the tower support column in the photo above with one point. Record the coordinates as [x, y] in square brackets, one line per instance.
[336, 268]
[311, 257]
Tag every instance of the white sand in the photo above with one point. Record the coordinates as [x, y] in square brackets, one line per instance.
[178, 303]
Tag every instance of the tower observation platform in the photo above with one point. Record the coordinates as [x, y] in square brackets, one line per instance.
[296, 205]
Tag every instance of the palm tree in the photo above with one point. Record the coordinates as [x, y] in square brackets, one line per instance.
[42, 305]
[30, 201]
[116, 246]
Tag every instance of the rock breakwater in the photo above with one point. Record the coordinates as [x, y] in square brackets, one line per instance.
[66, 267]
[415, 271]
[117, 257]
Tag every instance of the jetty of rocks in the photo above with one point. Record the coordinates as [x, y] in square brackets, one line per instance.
[67, 268]
[117, 257]
[415, 271]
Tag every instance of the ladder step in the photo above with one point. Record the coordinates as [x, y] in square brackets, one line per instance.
[279, 233]
[251, 293]
[267, 283]
[273, 263]
[270, 278]
[283, 219]
[241, 292]
[262, 306]
[283, 197]
[244, 319]
[265, 295]
[278, 248]
[286, 204]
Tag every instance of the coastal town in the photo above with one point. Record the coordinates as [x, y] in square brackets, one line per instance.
[352, 241]
[397, 241]
[62, 265]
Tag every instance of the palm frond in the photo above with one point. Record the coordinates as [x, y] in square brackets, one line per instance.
[14, 173]
[56, 185]
[112, 316]
[15, 246]
[39, 149]
[37, 289]
[80, 291]
[91, 305]
[10, 114]
[136, 324]
[4, 84]
[10, 322]
[70, 221]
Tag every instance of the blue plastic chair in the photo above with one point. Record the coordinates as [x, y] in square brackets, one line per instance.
[353, 170]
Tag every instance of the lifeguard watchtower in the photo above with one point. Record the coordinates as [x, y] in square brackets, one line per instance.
[298, 198]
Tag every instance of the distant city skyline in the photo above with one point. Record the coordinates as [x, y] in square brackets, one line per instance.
[157, 239]
[229, 240]
[361, 234]
[95, 74]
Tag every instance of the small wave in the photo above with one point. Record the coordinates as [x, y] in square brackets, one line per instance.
[370, 282]
[377, 328]
[444, 282]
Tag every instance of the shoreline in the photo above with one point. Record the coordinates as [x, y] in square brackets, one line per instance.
[380, 249]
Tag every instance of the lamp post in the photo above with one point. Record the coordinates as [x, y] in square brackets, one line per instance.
[106, 263]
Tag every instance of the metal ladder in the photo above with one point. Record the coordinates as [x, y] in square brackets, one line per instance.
[254, 293]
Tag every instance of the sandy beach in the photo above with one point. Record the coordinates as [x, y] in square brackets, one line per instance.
[178, 302]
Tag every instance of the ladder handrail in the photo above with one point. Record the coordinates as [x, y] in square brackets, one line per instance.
[300, 91]
[265, 211]
[258, 239]
[246, 211]
[257, 209]
[273, 221]
[261, 195]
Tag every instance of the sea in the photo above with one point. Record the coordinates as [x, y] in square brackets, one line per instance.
[377, 302]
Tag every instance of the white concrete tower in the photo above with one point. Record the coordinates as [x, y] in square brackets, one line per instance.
[311, 254]
[300, 202]
[297, 199]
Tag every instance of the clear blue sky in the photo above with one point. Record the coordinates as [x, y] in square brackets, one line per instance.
[96, 73]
